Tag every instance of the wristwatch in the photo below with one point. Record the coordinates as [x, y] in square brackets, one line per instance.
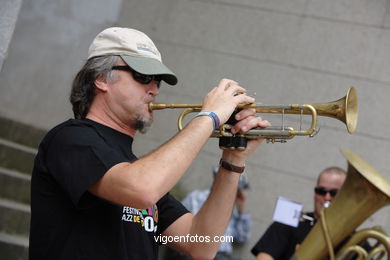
[231, 167]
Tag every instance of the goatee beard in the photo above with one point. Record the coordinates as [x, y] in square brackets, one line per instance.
[142, 124]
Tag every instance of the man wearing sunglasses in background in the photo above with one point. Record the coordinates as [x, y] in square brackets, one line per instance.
[280, 241]
[92, 198]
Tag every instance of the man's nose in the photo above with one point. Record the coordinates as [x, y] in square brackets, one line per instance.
[153, 88]
[328, 196]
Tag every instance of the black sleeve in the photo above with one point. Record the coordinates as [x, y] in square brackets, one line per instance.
[169, 209]
[276, 241]
[77, 157]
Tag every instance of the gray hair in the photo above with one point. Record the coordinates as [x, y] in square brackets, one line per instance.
[83, 87]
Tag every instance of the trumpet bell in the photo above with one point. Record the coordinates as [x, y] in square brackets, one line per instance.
[351, 110]
[345, 109]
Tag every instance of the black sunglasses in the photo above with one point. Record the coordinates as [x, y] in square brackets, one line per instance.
[139, 77]
[322, 191]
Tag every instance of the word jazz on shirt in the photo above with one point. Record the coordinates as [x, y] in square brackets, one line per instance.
[147, 218]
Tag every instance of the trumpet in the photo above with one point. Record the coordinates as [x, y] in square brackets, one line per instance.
[345, 109]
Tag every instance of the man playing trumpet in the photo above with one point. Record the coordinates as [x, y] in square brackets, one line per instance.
[92, 198]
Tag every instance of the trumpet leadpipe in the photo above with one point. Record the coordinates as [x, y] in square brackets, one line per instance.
[159, 106]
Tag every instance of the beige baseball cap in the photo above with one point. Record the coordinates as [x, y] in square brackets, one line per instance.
[135, 48]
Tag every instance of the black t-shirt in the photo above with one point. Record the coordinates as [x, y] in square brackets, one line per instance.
[68, 222]
[280, 240]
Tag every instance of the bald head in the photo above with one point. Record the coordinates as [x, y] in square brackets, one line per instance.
[332, 170]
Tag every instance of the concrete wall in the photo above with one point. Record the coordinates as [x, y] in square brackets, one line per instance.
[287, 51]
[48, 47]
[8, 16]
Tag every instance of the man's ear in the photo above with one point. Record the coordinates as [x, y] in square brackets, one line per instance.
[101, 83]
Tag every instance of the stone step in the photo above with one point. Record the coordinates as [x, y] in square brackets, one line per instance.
[18, 147]
[13, 247]
[14, 186]
[14, 218]
[17, 157]
[20, 133]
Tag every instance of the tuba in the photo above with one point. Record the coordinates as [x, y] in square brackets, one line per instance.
[364, 192]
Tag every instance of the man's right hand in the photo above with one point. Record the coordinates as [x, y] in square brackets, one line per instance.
[224, 98]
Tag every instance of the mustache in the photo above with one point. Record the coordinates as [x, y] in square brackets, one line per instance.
[149, 99]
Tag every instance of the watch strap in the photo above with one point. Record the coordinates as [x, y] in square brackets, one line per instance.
[231, 167]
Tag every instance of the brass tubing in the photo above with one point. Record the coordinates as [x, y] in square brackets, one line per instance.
[344, 109]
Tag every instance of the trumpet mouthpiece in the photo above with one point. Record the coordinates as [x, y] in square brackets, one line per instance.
[157, 106]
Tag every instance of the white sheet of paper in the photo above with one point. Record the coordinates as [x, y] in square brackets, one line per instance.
[287, 212]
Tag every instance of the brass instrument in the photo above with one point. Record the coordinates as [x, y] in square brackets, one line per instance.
[344, 109]
[364, 192]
